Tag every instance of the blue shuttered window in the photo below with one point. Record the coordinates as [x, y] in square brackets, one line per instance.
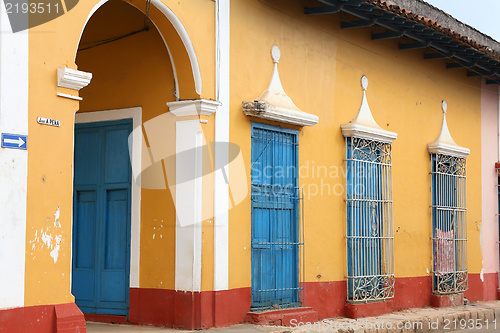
[449, 225]
[370, 241]
[276, 230]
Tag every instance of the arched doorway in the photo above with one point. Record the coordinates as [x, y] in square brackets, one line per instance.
[133, 79]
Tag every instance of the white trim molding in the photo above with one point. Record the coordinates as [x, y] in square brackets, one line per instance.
[444, 143]
[14, 92]
[77, 98]
[136, 160]
[274, 104]
[363, 125]
[193, 107]
[221, 185]
[72, 78]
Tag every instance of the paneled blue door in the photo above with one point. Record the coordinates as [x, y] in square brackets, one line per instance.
[275, 218]
[101, 217]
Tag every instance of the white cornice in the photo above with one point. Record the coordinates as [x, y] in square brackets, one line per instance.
[276, 113]
[363, 125]
[274, 104]
[193, 107]
[446, 149]
[365, 132]
[72, 78]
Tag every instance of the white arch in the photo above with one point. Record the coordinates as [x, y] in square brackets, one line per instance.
[169, 14]
[179, 27]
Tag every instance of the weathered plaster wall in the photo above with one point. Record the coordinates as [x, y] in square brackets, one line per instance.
[49, 203]
[489, 148]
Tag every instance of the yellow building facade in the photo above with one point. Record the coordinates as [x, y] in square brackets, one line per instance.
[142, 195]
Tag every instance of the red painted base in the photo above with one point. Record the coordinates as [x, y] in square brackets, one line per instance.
[359, 310]
[482, 289]
[207, 309]
[69, 318]
[106, 318]
[222, 308]
[490, 286]
[188, 310]
[446, 301]
[327, 298]
[412, 292]
[286, 317]
[60, 318]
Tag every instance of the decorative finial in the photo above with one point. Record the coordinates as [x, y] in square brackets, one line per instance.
[363, 125]
[275, 54]
[364, 82]
[444, 143]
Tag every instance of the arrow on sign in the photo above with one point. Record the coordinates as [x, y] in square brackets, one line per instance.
[19, 141]
[14, 141]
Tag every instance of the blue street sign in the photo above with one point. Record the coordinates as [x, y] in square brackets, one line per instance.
[14, 141]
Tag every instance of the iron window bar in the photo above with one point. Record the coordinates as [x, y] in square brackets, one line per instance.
[369, 228]
[449, 224]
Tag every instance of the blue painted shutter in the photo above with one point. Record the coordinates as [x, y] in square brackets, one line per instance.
[275, 219]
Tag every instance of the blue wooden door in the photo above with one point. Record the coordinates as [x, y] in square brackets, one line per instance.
[275, 218]
[101, 217]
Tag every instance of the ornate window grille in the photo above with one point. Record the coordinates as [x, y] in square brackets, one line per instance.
[449, 224]
[370, 239]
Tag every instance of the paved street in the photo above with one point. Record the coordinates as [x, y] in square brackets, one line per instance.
[241, 328]
[422, 320]
[491, 330]
[105, 328]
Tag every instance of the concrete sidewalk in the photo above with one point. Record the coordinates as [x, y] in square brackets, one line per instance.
[421, 320]
[240, 328]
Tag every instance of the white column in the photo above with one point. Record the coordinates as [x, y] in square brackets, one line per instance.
[187, 188]
[13, 163]
[188, 205]
[221, 186]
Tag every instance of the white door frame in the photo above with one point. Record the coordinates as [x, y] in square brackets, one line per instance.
[135, 228]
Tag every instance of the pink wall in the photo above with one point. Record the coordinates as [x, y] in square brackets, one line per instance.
[489, 153]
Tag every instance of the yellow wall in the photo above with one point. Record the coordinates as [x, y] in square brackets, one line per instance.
[127, 73]
[320, 69]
